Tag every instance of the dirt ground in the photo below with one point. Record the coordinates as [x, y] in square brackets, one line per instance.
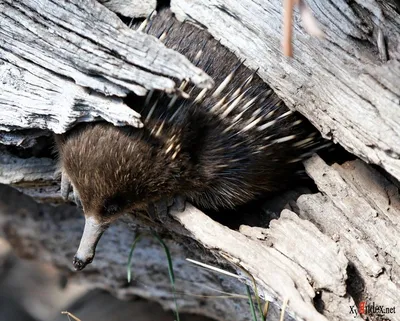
[30, 291]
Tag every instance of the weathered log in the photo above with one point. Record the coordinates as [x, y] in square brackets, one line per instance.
[360, 209]
[51, 234]
[340, 83]
[133, 9]
[341, 237]
[62, 55]
[349, 71]
[341, 250]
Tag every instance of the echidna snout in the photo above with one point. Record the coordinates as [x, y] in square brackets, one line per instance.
[87, 247]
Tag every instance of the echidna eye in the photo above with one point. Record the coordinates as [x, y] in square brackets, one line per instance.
[111, 209]
[113, 205]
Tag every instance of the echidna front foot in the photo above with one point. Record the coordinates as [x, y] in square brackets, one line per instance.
[67, 188]
[179, 203]
[77, 199]
[158, 211]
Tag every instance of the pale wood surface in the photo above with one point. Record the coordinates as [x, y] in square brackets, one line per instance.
[340, 83]
[343, 245]
[63, 64]
[131, 8]
[351, 225]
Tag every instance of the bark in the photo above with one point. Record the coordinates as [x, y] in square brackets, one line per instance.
[71, 61]
[341, 249]
[342, 83]
[133, 9]
[51, 234]
[74, 62]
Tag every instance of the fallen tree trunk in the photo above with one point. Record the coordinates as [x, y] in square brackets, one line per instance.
[342, 83]
[341, 248]
[61, 71]
[51, 234]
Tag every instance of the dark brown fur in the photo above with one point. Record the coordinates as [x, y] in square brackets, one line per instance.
[201, 153]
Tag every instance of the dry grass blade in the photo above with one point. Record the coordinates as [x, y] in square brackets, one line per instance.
[255, 290]
[68, 314]
[308, 21]
[284, 305]
[287, 27]
[213, 268]
[203, 286]
[228, 296]
[265, 310]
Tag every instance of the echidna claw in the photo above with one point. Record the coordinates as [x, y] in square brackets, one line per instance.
[67, 188]
[77, 199]
[179, 203]
[158, 211]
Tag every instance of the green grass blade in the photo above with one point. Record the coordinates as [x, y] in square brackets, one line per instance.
[260, 309]
[170, 272]
[253, 309]
[129, 266]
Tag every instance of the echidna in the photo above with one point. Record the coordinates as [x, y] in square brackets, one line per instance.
[219, 149]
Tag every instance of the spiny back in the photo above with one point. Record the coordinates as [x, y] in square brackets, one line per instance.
[240, 134]
[220, 148]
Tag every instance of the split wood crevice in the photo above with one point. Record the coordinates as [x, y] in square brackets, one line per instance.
[77, 62]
